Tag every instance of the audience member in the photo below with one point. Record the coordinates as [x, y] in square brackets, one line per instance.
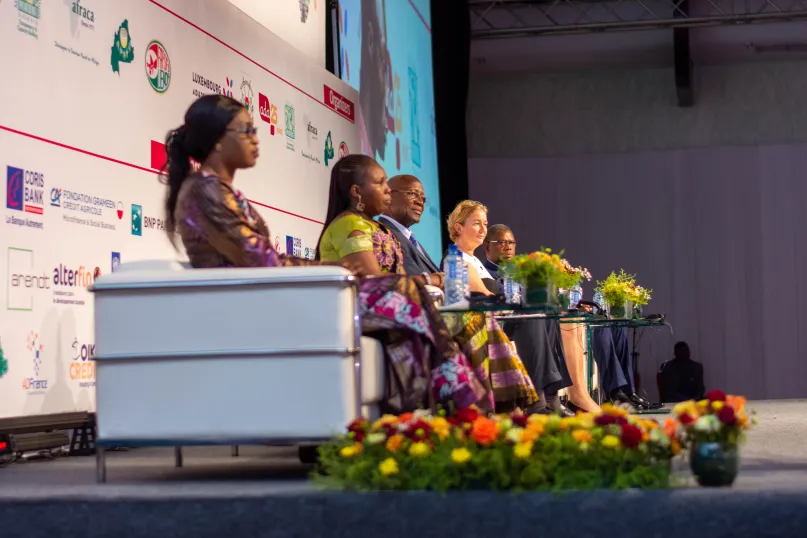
[681, 378]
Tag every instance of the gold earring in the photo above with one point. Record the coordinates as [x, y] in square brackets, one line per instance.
[218, 146]
[360, 205]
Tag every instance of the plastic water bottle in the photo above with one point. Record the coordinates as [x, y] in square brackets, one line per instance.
[466, 282]
[456, 274]
[575, 295]
[599, 299]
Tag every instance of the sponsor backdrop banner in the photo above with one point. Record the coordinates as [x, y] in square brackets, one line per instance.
[300, 23]
[93, 87]
[386, 48]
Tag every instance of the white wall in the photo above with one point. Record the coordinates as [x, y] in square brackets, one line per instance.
[76, 126]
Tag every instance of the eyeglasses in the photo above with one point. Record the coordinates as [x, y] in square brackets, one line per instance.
[414, 195]
[249, 130]
[504, 243]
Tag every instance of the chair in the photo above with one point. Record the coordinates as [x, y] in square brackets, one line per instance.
[229, 356]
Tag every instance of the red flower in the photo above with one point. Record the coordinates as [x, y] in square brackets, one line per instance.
[467, 414]
[716, 395]
[607, 420]
[631, 436]
[727, 415]
[686, 419]
[359, 429]
[519, 420]
[418, 431]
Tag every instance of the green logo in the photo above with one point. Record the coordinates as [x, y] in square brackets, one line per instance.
[328, 148]
[289, 127]
[122, 49]
[137, 219]
[158, 66]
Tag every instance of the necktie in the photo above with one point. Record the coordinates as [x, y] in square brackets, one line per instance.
[413, 240]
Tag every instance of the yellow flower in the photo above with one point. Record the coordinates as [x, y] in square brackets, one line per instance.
[441, 428]
[568, 423]
[538, 420]
[531, 433]
[376, 438]
[522, 451]
[610, 441]
[675, 445]
[687, 408]
[388, 467]
[581, 436]
[460, 455]
[717, 406]
[650, 424]
[386, 419]
[350, 451]
[514, 434]
[703, 405]
[611, 409]
[419, 449]
[586, 420]
[395, 442]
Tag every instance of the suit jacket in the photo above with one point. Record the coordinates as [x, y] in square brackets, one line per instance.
[415, 261]
[492, 268]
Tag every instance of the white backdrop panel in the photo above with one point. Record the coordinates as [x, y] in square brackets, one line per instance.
[79, 143]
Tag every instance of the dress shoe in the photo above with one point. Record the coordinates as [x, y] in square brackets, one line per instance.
[619, 397]
[645, 402]
[560, 409]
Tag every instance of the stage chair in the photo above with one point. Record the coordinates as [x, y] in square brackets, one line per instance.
[231, 356]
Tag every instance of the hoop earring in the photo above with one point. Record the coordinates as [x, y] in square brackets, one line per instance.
[360, 205]
[218, 146]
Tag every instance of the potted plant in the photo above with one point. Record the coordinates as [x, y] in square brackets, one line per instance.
[639, 297]
[712, 430]
[567, 279]
[538, 272]
[617, 289]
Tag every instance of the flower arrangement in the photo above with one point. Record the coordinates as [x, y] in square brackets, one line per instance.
[570, 275]
[720, 418]
[539, 268]
[619, 288]
[425, 451]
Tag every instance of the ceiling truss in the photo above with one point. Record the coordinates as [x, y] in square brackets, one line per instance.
[496, 19]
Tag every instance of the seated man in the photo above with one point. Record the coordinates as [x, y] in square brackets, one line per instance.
[681, 378]
[614, 358]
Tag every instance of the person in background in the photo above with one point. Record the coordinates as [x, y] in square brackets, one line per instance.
[408, 204]
[681, 378]
[467, 228]
[539, 342]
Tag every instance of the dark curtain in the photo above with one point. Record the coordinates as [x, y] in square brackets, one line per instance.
[451, 53]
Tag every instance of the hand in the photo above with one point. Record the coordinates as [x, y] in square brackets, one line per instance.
[354, 267]
[436, 280]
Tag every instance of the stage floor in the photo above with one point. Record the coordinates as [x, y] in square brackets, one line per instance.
[774, 456]
[215, 494]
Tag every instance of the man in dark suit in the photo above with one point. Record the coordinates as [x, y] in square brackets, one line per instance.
[500, 245]
[408, 202]
[681, 378]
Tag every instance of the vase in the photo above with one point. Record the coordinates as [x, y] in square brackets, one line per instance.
[638, 312]
[540, 295]
[620, 311]
[563, 299]
[714, 464]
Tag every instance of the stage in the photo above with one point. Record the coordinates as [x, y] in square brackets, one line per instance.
[266, 492]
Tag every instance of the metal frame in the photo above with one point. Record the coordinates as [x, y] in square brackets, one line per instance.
[496, 19]
[355, 351]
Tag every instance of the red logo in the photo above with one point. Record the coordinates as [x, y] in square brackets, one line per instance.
[343, 151]
[339, 104]
[158, 155]
[268, 113]
[120, 210]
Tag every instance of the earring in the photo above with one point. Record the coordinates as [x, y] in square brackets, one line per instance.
[360, 205]
[218, 146]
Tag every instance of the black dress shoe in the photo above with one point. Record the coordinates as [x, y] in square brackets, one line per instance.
[618, 397]
[647, 403]
[537, 410]
[560, 409]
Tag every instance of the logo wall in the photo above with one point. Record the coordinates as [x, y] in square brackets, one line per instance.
[158, 67]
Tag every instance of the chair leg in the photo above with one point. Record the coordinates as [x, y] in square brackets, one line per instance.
[178, 456]
[234, 451]
[100, 465]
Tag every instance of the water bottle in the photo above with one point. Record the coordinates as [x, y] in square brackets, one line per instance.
[454, 284]
[466, 282]
[511, 295]
[575, 295]
[599, 299]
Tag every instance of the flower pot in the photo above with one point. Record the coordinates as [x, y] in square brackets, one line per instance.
[540, 295]
[623, 311]
[714, 464]
[637, 312]
[563, 299]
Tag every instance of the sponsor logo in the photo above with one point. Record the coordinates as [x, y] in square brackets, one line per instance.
[339, 104]
[66, 279]
[204, 86]
[137, 219]
[92, 208]
[154, 223]
[268, 113]
[115, 260]
[305, 5]
[82, 369]
[23, 280]
[81, 17]
[227, 89]
[28, 13]
[158, 67]
[37, 384]
[25, 193]
[343, 150]
[312, 132]
[294, 247]
[414, 125]
[328, 148]
[119, 210]
[247, 96]
[122, 49]
[290, 132]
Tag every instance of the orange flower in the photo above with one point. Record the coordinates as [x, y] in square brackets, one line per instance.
[669, 428]
[676, 446]
[405, 417]
[484, 431]
[581, 436]
[395, 442]
[737, 402]
[529, 435]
